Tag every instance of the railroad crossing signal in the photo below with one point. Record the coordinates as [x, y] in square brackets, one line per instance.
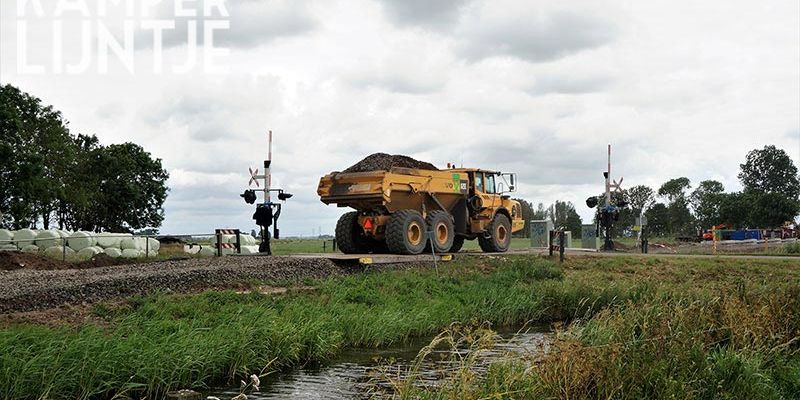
[254, 177]
[617, 186]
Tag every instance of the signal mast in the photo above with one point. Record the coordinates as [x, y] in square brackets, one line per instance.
[609, 212]
[267, 212]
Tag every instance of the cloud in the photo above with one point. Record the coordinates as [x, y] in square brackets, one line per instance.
[568, 84]
[538, 36]
[432, 14]
[253, 23]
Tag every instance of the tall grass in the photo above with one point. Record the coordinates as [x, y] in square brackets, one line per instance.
[741, 344]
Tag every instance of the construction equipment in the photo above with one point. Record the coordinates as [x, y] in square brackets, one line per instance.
[401, 210]
[709, 234]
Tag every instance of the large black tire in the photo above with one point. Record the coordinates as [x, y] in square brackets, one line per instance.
[458, 242]
[440, 223]
[405, 232]
[349, 236]
[497, 238]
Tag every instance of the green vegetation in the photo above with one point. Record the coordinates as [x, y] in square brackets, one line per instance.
[50, 175]
[146, 346]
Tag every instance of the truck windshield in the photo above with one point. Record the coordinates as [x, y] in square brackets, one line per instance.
[490, 184]
[478, 181]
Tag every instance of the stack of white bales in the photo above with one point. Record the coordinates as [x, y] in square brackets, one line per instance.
[81, 245]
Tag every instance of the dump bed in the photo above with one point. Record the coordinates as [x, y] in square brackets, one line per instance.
[396, 189]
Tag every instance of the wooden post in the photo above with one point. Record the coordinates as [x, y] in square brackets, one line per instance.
[238, 241]
[561, 240]
[219, 243]
[550, 235]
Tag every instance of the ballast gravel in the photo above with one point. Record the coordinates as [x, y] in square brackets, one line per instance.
[28, 290]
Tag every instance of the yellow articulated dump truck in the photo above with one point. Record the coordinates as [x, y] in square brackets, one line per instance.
[398, 209]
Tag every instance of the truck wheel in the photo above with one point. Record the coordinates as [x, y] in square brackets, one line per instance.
[349, 236]
[458, 242]
[443, 231]
[405, 232]
[499, 235]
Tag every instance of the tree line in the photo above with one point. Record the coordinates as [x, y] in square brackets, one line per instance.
[769, 197]
[52, 178]
[561, 213]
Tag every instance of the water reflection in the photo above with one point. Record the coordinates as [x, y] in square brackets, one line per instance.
[352, 374]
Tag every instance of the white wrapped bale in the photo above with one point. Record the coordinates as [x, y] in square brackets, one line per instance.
[250, 249]
[87, 253]
[79, 241]
[151, 253]
[129, 243]
[248, 240]
[228, 238]
[106, 240]
[6, 237]
[24, 237]
[207, 251]
[130, 253]
[113, 252]
[153, 244]
[9, 247]
[31, 248]
[64, 234]
[58, 252]
[45, 239]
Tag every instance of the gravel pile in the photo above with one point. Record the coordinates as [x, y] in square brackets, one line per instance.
[385, 162]
[27, 290]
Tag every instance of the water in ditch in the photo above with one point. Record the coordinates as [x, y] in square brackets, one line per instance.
[352, 374]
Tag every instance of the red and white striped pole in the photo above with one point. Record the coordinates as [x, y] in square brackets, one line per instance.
[608, 178]
[268, 170]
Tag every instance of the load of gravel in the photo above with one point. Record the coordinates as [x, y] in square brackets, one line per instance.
[385, 162]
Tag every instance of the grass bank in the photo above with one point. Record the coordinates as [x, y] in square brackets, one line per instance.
[733, 337]
[150, 345]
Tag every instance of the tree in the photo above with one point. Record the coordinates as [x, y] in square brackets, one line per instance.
[680, 218]
[36, 148]
[131, 188]
[771, 189]
[658, 220]
[639, 197]
[770, 170]
[46, 172]
[674, 189]
[705, 201]
[734, 209]
[563, 215]
[771, 210]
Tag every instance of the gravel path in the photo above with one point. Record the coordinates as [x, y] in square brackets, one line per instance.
[27, 290]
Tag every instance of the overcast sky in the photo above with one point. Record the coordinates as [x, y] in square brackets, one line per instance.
[679, 88]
